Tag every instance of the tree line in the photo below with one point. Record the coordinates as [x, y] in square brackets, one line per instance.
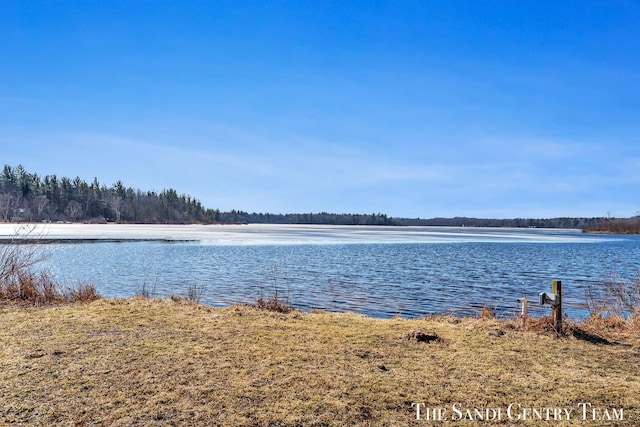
[616, 226]
[314, 218]
[27, 196]
[562, 222]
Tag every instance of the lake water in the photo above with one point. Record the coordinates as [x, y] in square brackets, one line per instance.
[378, 271]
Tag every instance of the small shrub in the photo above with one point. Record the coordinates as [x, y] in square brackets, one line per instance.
[634, 322]
[146, 290]
[273, 304]
[38, 289]
[487, 313]
[626, 294]
[83, 293]
[543, 325]
[614, 297]
[21, 285]
[595, 301]
[195, 292]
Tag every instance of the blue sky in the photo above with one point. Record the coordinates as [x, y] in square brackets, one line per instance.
[412, 108]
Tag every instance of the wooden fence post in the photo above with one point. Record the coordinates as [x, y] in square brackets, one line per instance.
[556, 309]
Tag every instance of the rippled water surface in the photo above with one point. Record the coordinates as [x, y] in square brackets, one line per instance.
[382, 272]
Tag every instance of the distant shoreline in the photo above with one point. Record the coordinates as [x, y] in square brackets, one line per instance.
[47, 241]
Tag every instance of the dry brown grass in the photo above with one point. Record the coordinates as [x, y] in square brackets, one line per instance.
[170, 361]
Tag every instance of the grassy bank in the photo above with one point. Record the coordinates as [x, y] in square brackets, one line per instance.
[169, 361]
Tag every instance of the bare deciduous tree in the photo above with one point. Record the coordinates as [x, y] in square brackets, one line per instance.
[73, 210]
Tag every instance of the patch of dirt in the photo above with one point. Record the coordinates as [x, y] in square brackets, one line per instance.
[497, 332]
[420, 335]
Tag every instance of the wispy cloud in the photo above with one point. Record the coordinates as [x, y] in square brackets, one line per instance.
[279, 172]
